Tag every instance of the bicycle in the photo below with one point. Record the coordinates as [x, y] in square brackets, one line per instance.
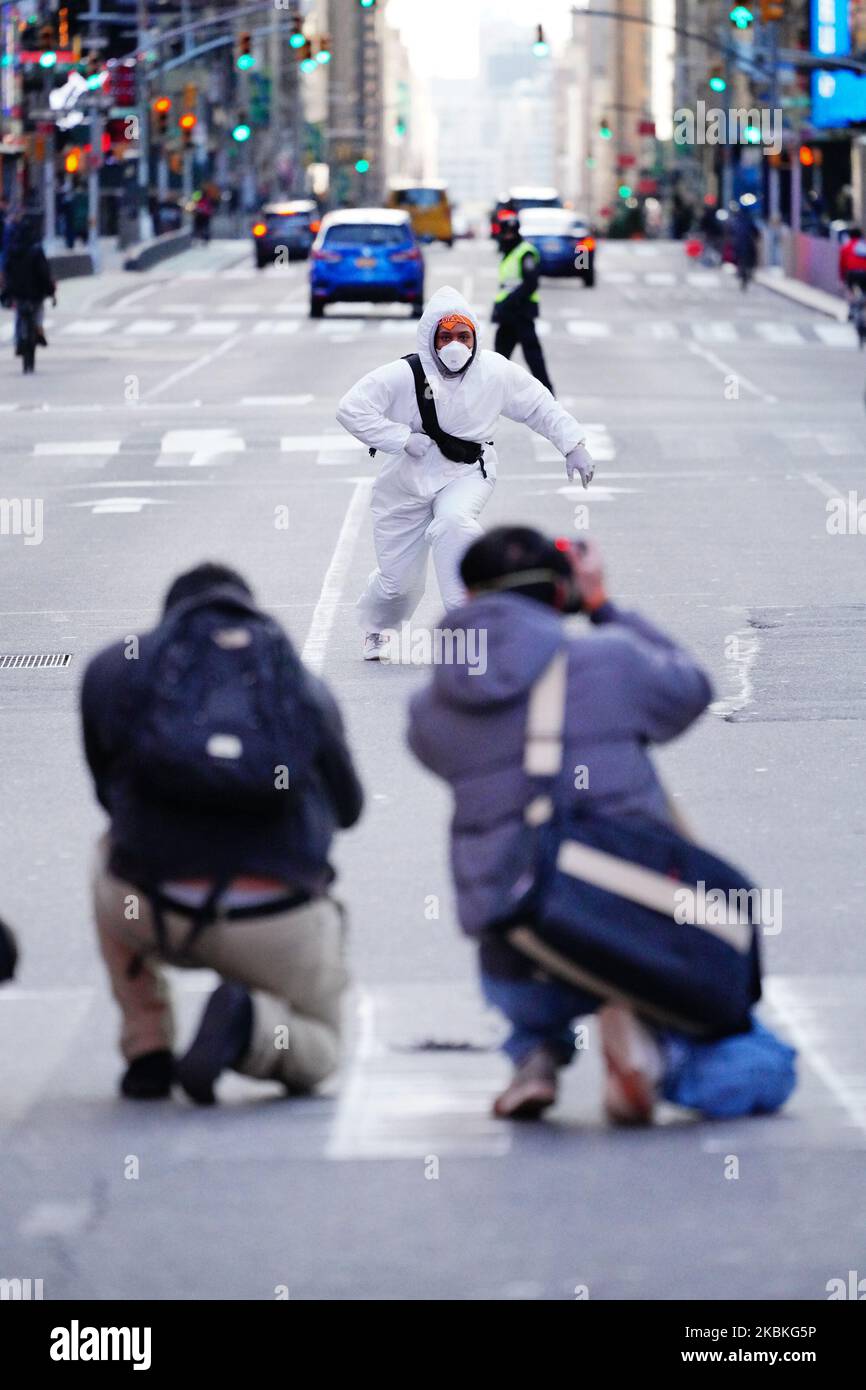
[26, 333]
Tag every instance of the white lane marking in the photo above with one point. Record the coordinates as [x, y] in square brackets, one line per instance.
[87, 328]
[113, 506]
[282, 326]
[781, 334]
[588, 328]
[660, 277]
[149, 328]
[741, 659]
[715, 331]
[728, 371]
[203, 446]
[303, 399]
[313, 443]
[406, 1104]
[316, 645]
[398, 327]
[136, 295]
[213, 328]
[808, 1022]
[203, 361]
[702, 280]
[836, 335]
[237, 308]
[826, 489]
[619, 277]
[76, 447]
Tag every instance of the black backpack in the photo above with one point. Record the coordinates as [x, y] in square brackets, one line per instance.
[226, 722]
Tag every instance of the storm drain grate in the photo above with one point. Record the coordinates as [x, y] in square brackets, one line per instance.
[30, 661]
[804, 663]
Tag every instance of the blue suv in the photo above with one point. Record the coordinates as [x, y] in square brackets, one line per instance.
[367, 255]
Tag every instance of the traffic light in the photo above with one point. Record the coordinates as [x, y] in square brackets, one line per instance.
[541, 47]
[244, 59]
[187, 123]
[367, 4]
[772, 11]
[324, 54]
[47, 55]
[242, 131]
[717, 81]
[161, 108]
[741, 17]
[72, 162]
[296, 32]
[308, 62]
[604, 129]
[362, 166]
[624, 190]
[810, 156]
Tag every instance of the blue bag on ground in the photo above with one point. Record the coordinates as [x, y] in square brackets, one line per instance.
[750, 1073]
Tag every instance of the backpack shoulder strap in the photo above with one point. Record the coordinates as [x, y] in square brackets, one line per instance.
[545, 726]
[423, 395]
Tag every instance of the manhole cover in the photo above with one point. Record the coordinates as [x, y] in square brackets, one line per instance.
[21, 661]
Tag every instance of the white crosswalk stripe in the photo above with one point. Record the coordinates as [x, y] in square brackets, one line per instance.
[837, 335]
[214, 328]
[149, 328]
[87, 328]
[715, 331]
[283, 327]
[660, 277]
[781, 334]
[197, 448]
[660, 330]
[318, 443]
[588, 328]
[79, 447]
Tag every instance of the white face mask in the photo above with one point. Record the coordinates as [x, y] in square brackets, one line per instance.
[455, 356]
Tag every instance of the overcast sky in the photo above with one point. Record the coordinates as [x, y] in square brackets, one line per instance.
[442, 35]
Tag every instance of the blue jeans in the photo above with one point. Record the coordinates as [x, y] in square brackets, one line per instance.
[749, 1073]
[541, 1013]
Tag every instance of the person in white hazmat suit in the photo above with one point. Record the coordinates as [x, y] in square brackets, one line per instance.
[421, 500]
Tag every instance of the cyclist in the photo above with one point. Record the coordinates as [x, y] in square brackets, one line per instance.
[852, 267]
[27, 278]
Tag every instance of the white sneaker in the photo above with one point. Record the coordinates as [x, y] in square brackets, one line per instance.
[374, 646]
[635, 1066]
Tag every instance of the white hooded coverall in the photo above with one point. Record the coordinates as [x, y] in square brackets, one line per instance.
[431, 501]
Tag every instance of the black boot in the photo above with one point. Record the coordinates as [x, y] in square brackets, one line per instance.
[222, 1039]
[149, 1077]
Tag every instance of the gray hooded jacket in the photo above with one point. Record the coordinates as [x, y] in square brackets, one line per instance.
[628, 686]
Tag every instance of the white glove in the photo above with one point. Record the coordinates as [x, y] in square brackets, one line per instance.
[417, 445]
[580, 461]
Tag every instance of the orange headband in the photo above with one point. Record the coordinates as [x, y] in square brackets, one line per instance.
[451, 320]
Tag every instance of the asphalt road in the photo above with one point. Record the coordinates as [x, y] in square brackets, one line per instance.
[173, 413]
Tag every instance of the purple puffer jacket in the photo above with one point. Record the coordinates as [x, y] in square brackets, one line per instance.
[628, 686]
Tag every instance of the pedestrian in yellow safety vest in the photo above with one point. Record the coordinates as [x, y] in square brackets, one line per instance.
[516, 306]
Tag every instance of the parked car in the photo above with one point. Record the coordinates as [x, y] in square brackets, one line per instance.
[369, 255]
[293, 225]
[564, 241]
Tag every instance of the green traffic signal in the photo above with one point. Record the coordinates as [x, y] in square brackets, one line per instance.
[717, 84]
[624, 190]
[241, 132]
[362, 166]
[245, 62]
[47, 60]
[605, 131]
[296, 39]
[741, 16]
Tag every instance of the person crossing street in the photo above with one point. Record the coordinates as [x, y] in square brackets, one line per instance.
[516, 306]
[432, 415]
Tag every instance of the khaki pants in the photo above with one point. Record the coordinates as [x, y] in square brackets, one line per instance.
[291, 962]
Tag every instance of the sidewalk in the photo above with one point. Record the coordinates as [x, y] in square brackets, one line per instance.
[776, 280]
